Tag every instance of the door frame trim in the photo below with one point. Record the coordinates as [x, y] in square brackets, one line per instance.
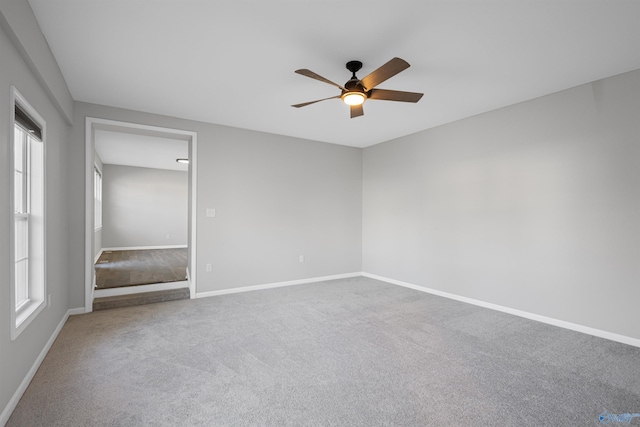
[93, 123]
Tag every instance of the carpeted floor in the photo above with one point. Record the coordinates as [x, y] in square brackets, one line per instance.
[116, 269]
[353, 352]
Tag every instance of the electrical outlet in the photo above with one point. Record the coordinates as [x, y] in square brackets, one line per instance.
[211, 213]
[301, 258]
[168, 236]
[208, 267]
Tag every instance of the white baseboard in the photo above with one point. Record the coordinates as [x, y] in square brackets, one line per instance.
[532, 316]
[128, 290]
[275, 285]
[13, 402]
[141, 248]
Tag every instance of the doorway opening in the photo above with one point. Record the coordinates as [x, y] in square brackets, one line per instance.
[138, 164]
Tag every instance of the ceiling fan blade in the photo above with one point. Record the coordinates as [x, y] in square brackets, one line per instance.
[385, 72]
[394, 95]
[304, 104]
[309, 73]
[356, 111]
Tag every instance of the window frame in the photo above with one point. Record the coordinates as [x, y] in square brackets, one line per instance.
[21, 213]
[23, 314]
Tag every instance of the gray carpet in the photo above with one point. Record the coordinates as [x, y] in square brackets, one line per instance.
[354, 352]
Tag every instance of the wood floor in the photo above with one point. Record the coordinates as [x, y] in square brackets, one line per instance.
[116, 269]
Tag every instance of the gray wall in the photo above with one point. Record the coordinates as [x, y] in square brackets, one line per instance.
[142, 206]
[17, 357]
[534, 207]
[275, 197]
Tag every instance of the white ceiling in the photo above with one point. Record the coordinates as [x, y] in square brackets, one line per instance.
[233, 62]
[128, 149]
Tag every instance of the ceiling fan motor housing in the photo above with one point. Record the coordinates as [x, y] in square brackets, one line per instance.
[354, 85]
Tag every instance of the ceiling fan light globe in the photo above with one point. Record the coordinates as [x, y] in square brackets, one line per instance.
[353, 98]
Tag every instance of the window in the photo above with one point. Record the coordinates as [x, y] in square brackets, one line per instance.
[97, 198]
[27, 203]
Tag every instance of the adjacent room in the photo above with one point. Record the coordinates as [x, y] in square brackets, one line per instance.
[319, 213]
[140, 218]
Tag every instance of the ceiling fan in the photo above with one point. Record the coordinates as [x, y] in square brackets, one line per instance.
[356, 91]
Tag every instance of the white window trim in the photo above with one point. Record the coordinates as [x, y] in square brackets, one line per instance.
[26, 313]
[96, 170]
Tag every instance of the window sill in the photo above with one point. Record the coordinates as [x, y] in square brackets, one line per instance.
[25, 315]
